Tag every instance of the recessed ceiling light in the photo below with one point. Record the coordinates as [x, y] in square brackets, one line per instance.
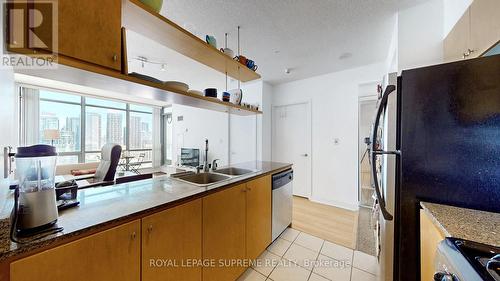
[345, 56]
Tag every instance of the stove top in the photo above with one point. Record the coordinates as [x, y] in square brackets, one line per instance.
[484, 258]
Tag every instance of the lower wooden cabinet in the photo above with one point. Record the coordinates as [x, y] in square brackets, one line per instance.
[171, 244]
[113, 254]
[430, 236]
[224, 233]
[258, 214]
[211, 239]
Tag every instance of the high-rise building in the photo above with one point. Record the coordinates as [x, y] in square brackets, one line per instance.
[114, 128]
[48, 121]
[135, 132]
[73, 129]
[146, 136]
[93, 132]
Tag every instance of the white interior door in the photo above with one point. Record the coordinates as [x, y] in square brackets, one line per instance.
[292, 143]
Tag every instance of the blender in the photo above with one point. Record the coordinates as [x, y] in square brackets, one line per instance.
[35, 208]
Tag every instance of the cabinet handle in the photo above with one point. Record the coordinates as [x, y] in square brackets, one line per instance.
[468, 53]
[150, 228]
[115, 57]
[133, 235]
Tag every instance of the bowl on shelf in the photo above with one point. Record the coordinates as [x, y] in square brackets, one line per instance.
[196, 92]
[211, 92]
[153, 4]
[177, 85]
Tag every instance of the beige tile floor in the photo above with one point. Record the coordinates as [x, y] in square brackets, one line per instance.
[298, 256]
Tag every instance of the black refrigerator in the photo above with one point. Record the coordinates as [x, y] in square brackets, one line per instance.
[447, 148]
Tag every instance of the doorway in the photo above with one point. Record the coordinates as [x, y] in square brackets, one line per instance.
[291, 142]
[365, 241]
[367, 109]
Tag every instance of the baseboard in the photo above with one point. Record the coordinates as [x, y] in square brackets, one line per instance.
[338, 204]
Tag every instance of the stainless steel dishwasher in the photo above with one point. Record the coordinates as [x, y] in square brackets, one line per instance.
[282, 202]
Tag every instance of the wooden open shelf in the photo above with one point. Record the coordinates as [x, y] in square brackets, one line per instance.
[142, 19]
[71, 71]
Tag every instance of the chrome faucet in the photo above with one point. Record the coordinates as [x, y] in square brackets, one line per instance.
[214, 164]
[206, 167]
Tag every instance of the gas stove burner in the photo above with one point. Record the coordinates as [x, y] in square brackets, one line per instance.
[492, 265]
[484, 258]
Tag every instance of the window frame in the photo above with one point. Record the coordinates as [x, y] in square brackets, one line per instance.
[83, 111]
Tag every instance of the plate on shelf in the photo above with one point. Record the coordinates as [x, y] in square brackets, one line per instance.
[195, 92]
[177, 85]
[145, 77]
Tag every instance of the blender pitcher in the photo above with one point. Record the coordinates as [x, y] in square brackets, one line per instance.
[35, 172]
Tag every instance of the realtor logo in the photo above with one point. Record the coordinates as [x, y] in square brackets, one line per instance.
[31, 35]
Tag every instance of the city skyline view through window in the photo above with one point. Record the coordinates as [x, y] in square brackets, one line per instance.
[80, 139]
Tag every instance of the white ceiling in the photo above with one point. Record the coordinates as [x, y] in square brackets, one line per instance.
[308, 37]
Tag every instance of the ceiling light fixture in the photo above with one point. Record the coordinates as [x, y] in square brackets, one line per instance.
[144, 60]
[287, 70]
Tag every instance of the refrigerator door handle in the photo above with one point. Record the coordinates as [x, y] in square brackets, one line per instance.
[374, 152]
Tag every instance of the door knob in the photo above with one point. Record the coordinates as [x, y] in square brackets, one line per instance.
[305, 155]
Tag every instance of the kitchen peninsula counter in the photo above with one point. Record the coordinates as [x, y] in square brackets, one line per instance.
[105, 207]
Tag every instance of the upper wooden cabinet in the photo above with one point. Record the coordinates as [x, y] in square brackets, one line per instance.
[224, 233]
[90, 31]
[174, 237]
[475, 32]
[457, 42]
[113, 254]
[87, 31]
[259, 216]
[484, 25]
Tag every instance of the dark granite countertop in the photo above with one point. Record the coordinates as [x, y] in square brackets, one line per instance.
[104, 206]
[468, 224]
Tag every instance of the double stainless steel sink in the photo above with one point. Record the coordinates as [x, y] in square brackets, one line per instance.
[206, 179]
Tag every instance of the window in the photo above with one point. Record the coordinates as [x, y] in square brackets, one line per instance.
[79, 126]
[60, 124]
[105, 103]
[141, 136]
[103, 125]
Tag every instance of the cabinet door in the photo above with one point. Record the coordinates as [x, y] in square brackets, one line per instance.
[113, 254]
[224, 233]
[89, 31]
[485, 25]
[456, 43]
[430, 236]
[258, 235]
[171, 240]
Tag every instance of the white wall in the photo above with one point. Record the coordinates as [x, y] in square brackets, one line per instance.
[420, 35]
[243, 130]
[334, 99]
[453, 11]
[391, 62]
[267, 99]
[232, 138]
[196, 126]
[8, 104]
